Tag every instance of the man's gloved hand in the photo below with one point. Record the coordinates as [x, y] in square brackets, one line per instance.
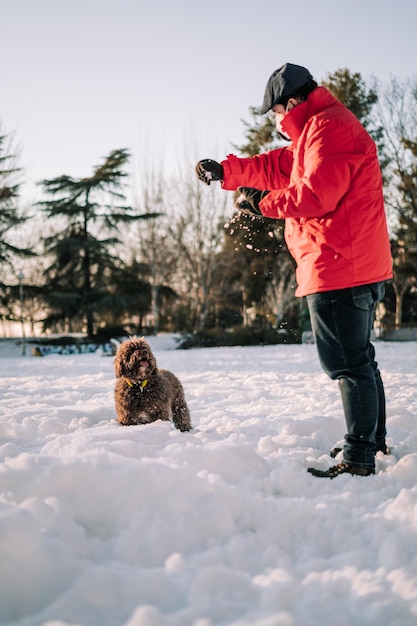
[248, 200]
[208, 170]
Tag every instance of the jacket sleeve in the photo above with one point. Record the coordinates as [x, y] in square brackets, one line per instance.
[331, 158]
[270, 170]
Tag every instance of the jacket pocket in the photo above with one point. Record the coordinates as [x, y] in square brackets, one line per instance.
[325, 235]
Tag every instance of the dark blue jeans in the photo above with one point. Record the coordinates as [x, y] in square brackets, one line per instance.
[342, 321]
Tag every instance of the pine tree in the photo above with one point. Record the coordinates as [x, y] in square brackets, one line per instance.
[82, 261]
[10, 217]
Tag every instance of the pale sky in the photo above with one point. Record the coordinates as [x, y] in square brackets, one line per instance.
[167, 79]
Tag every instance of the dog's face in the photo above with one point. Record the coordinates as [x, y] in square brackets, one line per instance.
[134, 360]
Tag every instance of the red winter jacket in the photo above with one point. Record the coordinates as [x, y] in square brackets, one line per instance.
[327, 185]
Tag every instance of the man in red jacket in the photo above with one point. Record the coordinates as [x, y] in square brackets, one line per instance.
[327, 184]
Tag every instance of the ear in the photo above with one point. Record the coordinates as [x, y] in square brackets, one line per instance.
[118, 363]
[292, 102]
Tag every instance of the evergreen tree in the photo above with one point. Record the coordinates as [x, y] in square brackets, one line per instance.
[10, 217]
[82, 261]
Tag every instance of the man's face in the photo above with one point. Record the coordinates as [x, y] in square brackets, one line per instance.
[280, 111]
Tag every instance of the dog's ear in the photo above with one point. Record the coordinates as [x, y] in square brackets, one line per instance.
[118, 363]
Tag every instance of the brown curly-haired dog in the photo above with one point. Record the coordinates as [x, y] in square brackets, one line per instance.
[143, 392]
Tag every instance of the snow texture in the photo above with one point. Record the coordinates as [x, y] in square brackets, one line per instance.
[105, 525]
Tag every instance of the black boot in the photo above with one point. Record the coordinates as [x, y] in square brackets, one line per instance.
[342, 468]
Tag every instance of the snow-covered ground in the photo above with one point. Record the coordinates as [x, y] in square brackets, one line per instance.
[104, 525]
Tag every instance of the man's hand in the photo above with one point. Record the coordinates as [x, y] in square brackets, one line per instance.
[208, 170]
[249, 199]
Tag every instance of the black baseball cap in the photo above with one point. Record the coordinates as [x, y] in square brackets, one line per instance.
[282, 83]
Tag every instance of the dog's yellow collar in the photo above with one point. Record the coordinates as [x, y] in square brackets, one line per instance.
[142, 385]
